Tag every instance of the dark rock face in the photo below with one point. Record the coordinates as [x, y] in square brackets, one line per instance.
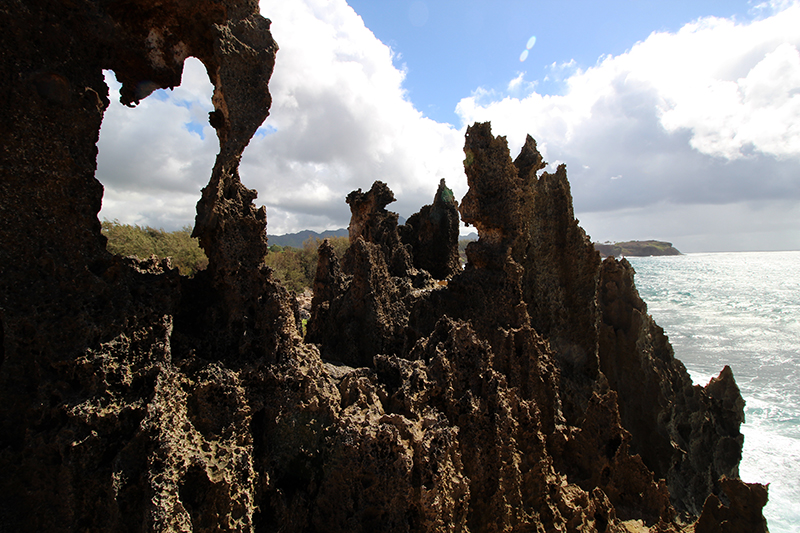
[372, 223]
[433, 235]
[685, 434]
[115, 413]
[561, 276]
[529, 392]
[741, 514]
[362, 309]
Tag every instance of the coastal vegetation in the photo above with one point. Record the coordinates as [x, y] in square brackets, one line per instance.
[294, 267]
[144, 241]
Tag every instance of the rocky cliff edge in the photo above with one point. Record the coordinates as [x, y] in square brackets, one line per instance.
[530, 391]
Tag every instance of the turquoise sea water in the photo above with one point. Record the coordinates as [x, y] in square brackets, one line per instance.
[741, 309]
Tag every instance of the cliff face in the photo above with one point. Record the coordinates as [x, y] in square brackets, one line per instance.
[530, 391]
[685, 434]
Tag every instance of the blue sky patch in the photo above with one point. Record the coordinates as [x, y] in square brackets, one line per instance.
[195, 127]
[267, 129]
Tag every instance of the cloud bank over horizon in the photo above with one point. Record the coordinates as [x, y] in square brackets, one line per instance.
[682, 126]
[691, 136]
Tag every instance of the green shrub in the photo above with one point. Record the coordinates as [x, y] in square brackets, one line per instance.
[142, 242]
[296, 268]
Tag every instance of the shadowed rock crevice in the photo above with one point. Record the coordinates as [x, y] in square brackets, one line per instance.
[529, 391]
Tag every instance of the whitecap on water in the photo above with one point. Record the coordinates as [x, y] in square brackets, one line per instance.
[741, 309]
[772, 458]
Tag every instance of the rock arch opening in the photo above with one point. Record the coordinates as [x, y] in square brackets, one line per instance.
[154, 159]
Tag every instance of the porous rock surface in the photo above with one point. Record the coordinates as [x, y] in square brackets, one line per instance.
[528, 392]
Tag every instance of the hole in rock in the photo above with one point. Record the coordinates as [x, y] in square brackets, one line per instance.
[153, 160]
[601, 522]
[612, 446]
[204, 500]
[212, 408]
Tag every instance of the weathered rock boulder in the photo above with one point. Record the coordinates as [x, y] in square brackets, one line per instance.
[109, 374]
[561, 272]
[361, 309]
[133, 399]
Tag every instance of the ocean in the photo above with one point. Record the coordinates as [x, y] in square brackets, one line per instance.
[741, 309]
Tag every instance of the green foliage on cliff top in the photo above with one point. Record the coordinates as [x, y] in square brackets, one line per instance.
[142, 242]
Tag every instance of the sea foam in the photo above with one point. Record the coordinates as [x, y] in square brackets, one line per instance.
[742, 310]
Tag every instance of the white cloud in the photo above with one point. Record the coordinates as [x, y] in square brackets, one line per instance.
[559, 72]
[340, 119]
[705, 118]
[721, 80]
[517, 86]
[728, 113]
[516, 82]
[709, 115]
[154, 159]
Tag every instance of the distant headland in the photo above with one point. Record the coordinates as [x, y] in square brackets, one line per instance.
[617, 249]
[636, 248]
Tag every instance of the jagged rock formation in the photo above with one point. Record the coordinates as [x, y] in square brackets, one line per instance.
[741, 515]
[433, 235]
[134, 399]
[685, 434]
[108, 418]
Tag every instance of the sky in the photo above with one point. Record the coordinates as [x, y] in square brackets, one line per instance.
[678, 121]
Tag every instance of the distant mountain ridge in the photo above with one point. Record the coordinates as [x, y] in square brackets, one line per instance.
[617, 249]
[296, 240]
[636, 248]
